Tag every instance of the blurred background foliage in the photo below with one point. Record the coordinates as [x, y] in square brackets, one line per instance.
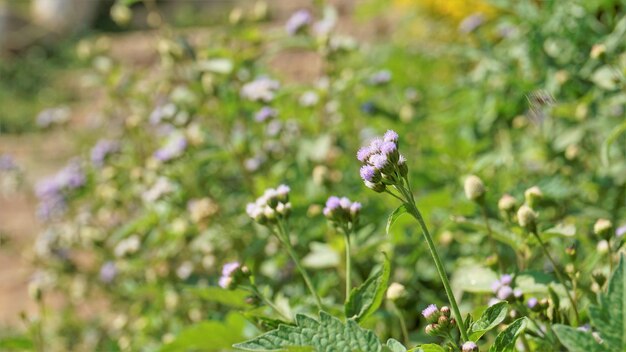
[521, 93]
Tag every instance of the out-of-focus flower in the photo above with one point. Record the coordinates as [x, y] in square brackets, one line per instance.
[602, 227]
[161, 187]
[526, 217]
[380, 77]
[395, 291]
[298, 21]
[108, 272]
[272, 205]
[471, 23]
[7, 163]
[200, 209]
[52, 191]
[228, 273]
[309, 98]
[342, 211]
[162, 112]
[469, 346]
[620, 231]
[265, 114]
[53, 116]
[127, 246]
[184, 270]
[173, 148]
[507, 203]
[474, 188]
[262, 89]
[102, 149]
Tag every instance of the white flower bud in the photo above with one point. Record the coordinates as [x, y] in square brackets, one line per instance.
[603, 247]
[474, 188]
[532, 195]
[602, 227]
[395, 291]
[526, 217]
[507, 203]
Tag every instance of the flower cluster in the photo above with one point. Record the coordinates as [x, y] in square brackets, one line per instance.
[231, 274]
[101, 150]
[173, 148]
[52, 191]
[262, 89]
[53, 116]
[271, 206]
[439, 321]
[382, 163]
[298, 22]
[7, 163]
[503, 290]
[341, 211]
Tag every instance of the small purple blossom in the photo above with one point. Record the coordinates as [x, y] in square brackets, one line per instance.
[430, 311]
[333, 203]
[379, 161]
[471, 22]
[506, 279]
[363, 154]
[7, 163]
[298, 21]
[469, 346]
[620, 231]
[53, 116]
[368, 173]
[381, 77]
[391, 136]
[375, 145]
[388, 148]
[173, 148]
[345, 203]
[101, 150]
[504, 292]
[262, 89]
[228, 271]
[532, 302]
[517, 293]
[52, 191]
[265, 114]
[355, 207]
[108, 271]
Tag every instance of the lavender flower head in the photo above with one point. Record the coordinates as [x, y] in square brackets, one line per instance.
[101, 150]
[369, 173]
[108, 271]
[52, 191]
[381, 77]
[471, 23]
[620, 231]
[363, 154]
[265, 114]
[532, 302]
[383, 165]
[298, 21]
[431, 313]
[504, 292]
[7, 163]
[469, 346]
[173, 148]
[342, 211]
[228, 272]
[262, 89]
[272, 206]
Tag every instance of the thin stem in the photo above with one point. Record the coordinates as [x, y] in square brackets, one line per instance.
[492, 241]
[412, 209]
[393, 194]
[346, 236]
[557, 271]
[405, 331]
[608, 241]
[284, 237]
[265, 300]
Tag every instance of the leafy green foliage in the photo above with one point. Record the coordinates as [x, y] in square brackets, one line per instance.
[607, 318]
[490, 318]
[394, 216]
[365, 299]
[209, 335]
[232, 298]
[505, 341]
[394, 345]
[327, 334]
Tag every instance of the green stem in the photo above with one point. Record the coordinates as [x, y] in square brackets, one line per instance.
[405, 331]
[348, 264]
[492, 241]
[284, 237]
[412, 209]
[560, 277]
[265, 300]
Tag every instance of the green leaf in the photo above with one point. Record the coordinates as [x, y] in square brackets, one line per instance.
[394, 216]
[395, 346]
[16, 343]
[560, 230]
[232, 298]
[608, 316]
[209, 335]
[606, 146]
[505, 341]
[490, 318]
[576, 340]
[499, 231]
[365, 299]
[327, 334]
[473, 278]
[431, 347]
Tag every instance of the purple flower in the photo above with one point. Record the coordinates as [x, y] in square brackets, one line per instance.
[228, 271]
[379, 161]
[506, 279]
[368, 173]
[363, 154]
[504, 292]
[620, 231]
[100, 151]
[345, 203]
[532, 302]
[380, 77]
[391, 136]
[469, 346]
[7, 163]
[430, 312]
[333, 203]
[355, 207]
[173, 148]
[298, 21]
[108, 271]
[517, 293]
[261, 89]
[51, 207]
[265, 114]
[375, 145]
[388, 148]
[53, 116]
[470, 23]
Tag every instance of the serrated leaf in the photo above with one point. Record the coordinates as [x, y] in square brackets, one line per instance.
[505, 341]
[608, 316]
[490, 318]
[365, 299]
[394, 216]
[576, 340]
[431, 347]
[395, 346]
[327, 334]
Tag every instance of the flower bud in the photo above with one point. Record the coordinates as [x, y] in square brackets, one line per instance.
[469, 346]
[474, 188]
[571, 251]
[282, 193]
[431, 313]
[527, 218]
[533, 304]
[603, 247]
[532, 196]
[443, 321]
[599, 277]
[432, 329]
[402, 167]
[507, 203]
[602, 228]
[376, 187]
[355, 210]
[269, 213]
[445, 311]
[395, 291]
[597, 50]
